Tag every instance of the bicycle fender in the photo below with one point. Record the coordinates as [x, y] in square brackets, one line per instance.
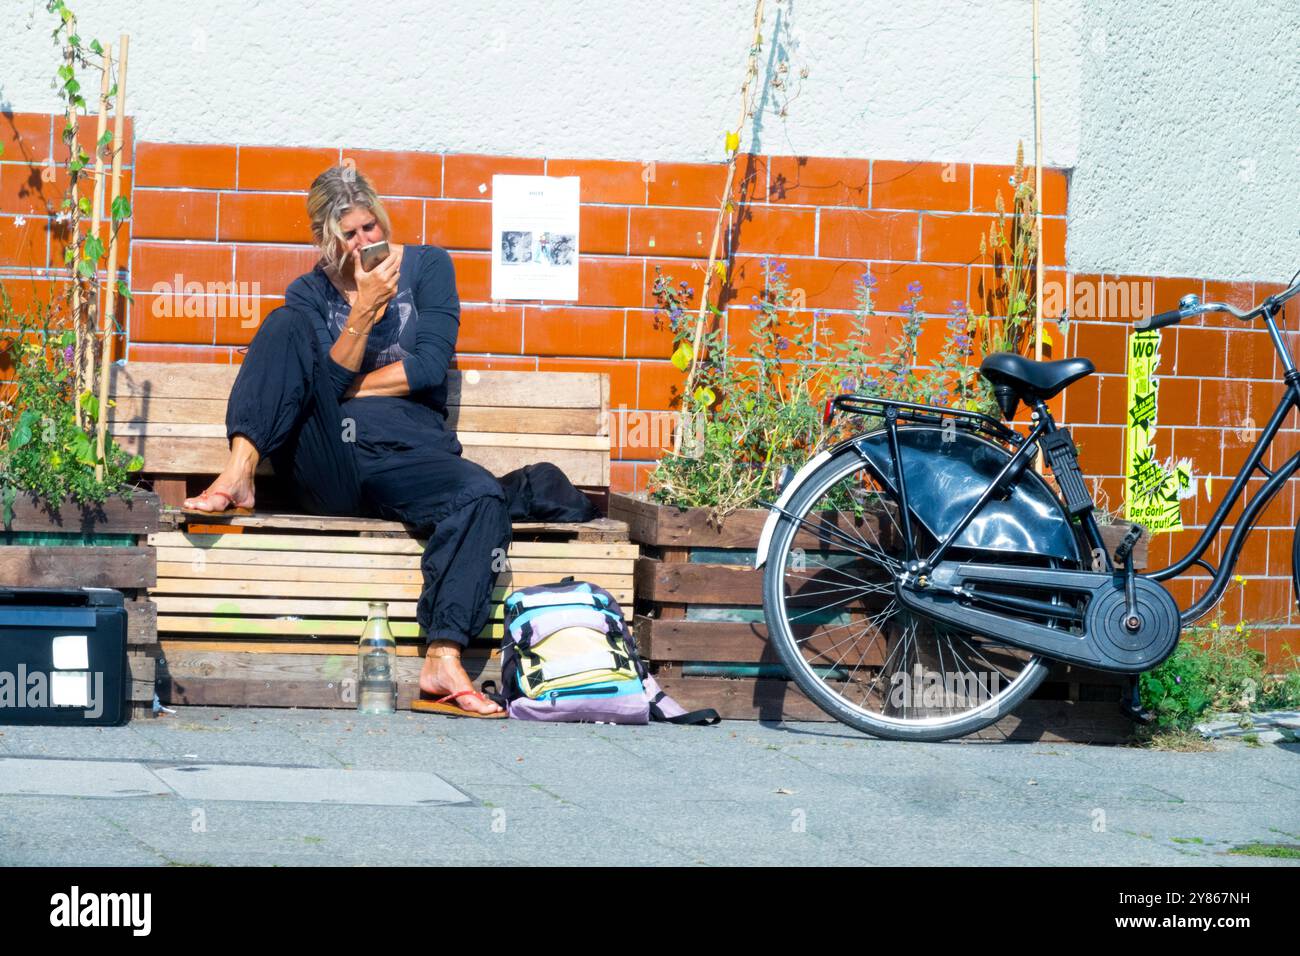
[947, 471]
[787, 493]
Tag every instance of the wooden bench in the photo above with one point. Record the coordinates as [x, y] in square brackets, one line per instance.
[265, 610]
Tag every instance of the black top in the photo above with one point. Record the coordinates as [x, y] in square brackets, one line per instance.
[418, 328]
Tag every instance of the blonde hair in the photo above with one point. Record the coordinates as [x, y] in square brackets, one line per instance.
[335, 193]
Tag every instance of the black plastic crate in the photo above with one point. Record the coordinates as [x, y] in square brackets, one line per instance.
[62, 656]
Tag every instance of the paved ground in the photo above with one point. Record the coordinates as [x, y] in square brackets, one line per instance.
[220, 786]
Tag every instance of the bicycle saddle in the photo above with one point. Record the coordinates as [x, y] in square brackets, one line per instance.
[1034, 380]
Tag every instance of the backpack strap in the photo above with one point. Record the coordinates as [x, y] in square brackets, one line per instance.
[666, 710]
[703, 718]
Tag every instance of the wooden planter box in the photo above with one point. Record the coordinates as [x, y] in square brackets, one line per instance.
[101, 546]
[699, 624]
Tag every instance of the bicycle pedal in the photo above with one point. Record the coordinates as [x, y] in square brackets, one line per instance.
[1130, 542]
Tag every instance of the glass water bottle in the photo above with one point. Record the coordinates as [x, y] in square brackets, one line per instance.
[377, 664]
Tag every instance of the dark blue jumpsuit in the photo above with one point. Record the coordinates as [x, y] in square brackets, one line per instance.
[384, 457]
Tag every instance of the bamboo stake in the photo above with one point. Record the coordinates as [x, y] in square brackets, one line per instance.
[750, 73]
[1038, 198]
[106, 340]
[86, 371]
[78, 324]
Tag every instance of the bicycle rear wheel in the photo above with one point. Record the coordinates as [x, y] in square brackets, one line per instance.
[836, 623]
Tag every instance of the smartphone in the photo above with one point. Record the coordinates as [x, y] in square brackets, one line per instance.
[373, 254]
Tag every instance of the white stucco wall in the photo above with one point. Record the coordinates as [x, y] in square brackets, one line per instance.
[1189, 139]
[1156, 104]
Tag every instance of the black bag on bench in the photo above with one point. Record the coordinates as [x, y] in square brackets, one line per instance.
[542, 492]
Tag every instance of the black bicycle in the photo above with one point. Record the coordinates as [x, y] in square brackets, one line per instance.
[919, 577]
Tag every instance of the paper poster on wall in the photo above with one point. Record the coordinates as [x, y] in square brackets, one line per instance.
[535, 237]
[1153, 490]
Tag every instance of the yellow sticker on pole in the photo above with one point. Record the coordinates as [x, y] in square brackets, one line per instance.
[1153, 491]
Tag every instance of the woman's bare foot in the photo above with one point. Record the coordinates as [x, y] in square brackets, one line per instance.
[233, 488]
[223, 494]
[444, 674]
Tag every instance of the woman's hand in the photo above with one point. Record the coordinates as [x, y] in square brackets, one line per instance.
[374, 288]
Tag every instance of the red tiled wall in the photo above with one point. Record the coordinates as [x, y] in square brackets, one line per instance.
[226, 213]
[223, 213]
[1219, 384]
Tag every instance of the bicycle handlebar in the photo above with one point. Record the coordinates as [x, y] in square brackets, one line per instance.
[1159, 321]
[1191, 305]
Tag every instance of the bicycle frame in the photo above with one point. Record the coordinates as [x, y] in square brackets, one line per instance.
[1043, 424]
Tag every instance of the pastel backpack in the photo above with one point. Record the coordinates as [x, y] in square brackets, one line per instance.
[567, 655]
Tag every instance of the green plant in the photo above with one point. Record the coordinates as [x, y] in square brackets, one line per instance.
[43, 450]
[1276, 851]
[749, 416]
[1215, 669]
[50, 412]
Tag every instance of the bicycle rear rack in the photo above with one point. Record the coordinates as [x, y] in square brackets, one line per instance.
[975, 422]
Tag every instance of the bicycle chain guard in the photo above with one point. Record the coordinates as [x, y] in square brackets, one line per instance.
[1106, 642]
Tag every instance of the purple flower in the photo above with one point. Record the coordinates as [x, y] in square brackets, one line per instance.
[67, 355]
[907, 307]
[914, 288]
[958, 305]
[850, 385]
[1178, 680]
[782, 343]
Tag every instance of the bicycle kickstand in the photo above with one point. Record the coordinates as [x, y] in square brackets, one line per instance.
[1130, 704]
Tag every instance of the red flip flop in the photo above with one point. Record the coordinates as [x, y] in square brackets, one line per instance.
[441, 706]
[230, 509]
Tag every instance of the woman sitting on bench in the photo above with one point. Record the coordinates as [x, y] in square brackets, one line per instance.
[345, 388]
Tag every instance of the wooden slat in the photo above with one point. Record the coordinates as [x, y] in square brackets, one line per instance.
[336, 523]
[470, 418]
[207, 456]
[141, 622]
[257, 627]
[686, 583]
[358, 589]
[387, 546]
[660, 525]
[140, 667]
[774, 700]
[171, 380]
[113, 516]
[125, 568]
[245, 606]
[702, 641]
[182, 456]
[318, 627]
[406, 571]
[471, 387]
[405, 647]
[206, 678]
